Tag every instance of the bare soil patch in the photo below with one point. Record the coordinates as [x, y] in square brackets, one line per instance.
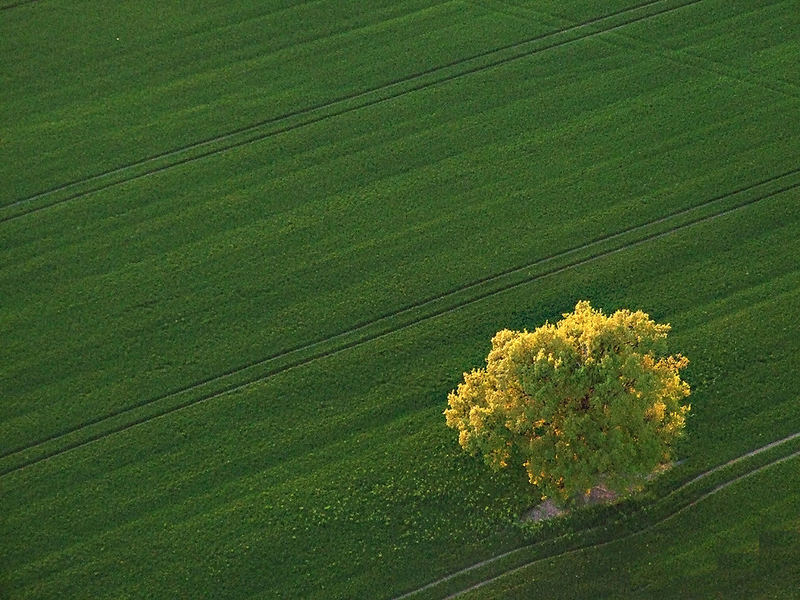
[549, 510]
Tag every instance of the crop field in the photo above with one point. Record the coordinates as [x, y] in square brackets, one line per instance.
[247, 248]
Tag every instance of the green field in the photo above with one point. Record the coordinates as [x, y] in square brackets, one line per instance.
[248, 248]
[741, 543]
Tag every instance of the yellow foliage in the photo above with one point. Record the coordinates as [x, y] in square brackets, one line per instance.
[592, 397]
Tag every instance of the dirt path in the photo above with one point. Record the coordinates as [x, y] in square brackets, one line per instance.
[683, 486]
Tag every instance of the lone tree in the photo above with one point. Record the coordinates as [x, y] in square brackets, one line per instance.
[591, 400]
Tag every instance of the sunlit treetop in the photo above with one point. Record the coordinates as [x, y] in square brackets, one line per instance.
[592, 399]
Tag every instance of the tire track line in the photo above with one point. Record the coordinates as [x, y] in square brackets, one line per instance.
[18, 4]
[365, 339]
[359, 326]
[363, 325]
[630, 535]
[334, 104]
[769, 446]
[700, 63]
[680, 488]
[319, 106]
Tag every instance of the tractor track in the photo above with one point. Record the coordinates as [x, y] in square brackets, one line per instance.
[333, 104]
[18, 4]
[627, 536]
[359, 326]
[366, 337]
[677, 511]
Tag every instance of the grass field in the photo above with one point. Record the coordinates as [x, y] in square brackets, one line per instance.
[248, 248]
[740, 543]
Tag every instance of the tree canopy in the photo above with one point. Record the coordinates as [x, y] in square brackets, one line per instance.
[592, 399]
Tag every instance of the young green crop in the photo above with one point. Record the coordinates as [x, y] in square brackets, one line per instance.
[478, 202]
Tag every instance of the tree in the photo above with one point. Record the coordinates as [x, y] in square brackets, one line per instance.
[590, 400]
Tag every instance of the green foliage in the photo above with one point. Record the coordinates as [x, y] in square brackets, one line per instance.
[591, 399]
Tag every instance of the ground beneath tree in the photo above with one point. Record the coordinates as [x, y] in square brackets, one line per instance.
[549, 510]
